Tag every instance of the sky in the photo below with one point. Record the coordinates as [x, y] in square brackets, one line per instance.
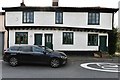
[65, 3]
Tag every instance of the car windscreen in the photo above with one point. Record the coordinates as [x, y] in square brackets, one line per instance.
[38, 49]
[47, 49]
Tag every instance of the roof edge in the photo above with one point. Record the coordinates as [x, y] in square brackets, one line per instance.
[2, 13]
[65, 9]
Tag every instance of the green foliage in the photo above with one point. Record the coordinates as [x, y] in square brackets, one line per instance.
[112, 41]
[118, 42]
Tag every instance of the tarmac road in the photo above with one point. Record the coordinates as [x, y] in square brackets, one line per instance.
[71, 70]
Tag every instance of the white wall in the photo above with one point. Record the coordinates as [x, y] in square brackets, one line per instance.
[119, 16]
[80, 39]
[70, 19]
[13, 18]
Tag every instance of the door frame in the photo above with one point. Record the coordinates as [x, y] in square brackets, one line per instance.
[41, 38]
[51, 39]
[106, 48]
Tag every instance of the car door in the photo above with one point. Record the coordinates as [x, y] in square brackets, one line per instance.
[39, 55]
[26, 54]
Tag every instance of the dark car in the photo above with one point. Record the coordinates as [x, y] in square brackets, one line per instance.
[34, 54]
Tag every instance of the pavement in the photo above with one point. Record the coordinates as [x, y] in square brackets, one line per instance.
[92, 58]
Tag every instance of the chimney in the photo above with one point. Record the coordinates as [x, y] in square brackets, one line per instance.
[55, 2]
[22, 4]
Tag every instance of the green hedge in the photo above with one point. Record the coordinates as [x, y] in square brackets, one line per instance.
[118, 42]
[112, 41]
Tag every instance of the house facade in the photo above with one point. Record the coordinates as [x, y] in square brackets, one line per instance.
[68, 29]
[119, 17]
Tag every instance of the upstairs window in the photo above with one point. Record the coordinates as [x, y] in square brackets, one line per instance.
[92, 39]
[93, 18]
[21, 38]
[28, 17]
[67, 37]
[59, 17]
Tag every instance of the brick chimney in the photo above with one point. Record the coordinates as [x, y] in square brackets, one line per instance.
[55, 2]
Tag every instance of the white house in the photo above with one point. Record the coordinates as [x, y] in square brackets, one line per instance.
[119, 17]
[68, 29]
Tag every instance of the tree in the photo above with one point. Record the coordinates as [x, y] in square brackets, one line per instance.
[112, 41]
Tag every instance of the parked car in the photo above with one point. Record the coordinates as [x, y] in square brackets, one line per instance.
[34, 54]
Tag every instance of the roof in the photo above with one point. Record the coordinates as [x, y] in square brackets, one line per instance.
[64, 9]
[2, 13]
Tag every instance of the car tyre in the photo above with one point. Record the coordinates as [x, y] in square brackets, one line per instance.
[13, 61]
[55, 63]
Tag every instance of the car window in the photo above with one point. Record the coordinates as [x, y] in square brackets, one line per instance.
[37, 49]
[14, 48]
[26, 48]
[47, 49]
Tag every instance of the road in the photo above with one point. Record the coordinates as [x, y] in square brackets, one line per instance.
[71, 70]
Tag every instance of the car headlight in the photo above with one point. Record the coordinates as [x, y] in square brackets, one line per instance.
[63, 57]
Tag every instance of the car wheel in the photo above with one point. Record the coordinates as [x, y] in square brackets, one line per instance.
[55, 63]
[13, 61]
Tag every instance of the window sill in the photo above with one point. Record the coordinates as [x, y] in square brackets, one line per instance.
[67, 44]
[28, 22]
[92, 45]
[93, 24]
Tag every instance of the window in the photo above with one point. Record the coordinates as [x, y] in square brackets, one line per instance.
[67, 37]
[59, 17]
[26, 49]
[93, 18]
[37, 49]
[21, 38]
[28, 17]
[14, 48]
[92, 39]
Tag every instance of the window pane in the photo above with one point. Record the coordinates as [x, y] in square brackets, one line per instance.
[27, 49]
[37, 49]
[25, 17]
[58, 17]
[97, 18]
[93, 18]
[28, 17]
[21, 37]
[92, 39]
[67, 37]
[15, 48]
[31, 17]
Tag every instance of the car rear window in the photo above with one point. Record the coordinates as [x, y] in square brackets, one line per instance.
[14, 48]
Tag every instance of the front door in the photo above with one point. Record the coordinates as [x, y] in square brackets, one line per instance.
[38, 39]
[48, 41]
[103, 43]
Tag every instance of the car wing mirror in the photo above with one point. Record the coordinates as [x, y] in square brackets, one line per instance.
[44, 52]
